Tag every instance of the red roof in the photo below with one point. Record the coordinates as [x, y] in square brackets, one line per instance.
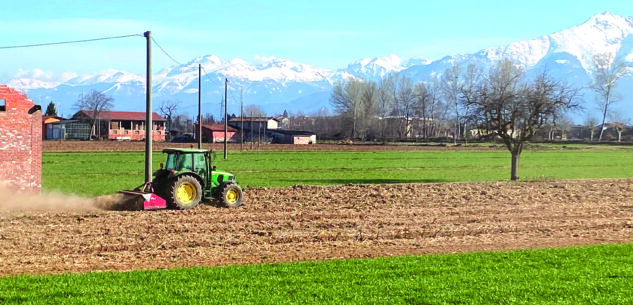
[254, 119]
[218, 127]
[46, 117]
[124, 115]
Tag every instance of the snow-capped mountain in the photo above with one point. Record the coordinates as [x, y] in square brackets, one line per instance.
[277, 84]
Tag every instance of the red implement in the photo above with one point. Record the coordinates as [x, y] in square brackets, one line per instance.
[151, 201]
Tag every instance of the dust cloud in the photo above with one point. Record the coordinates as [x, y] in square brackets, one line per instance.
[12, 200]
[22, 201]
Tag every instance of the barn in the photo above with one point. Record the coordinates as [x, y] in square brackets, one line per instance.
[285, 136]
[214, 133]
[20, 141]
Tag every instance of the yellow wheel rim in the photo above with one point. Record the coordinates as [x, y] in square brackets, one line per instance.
[186, 193]
[232, 196]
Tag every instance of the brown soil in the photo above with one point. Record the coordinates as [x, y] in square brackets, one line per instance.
[316, 223]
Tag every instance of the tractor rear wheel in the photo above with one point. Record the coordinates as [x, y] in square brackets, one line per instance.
[232, 195]
[184, 193]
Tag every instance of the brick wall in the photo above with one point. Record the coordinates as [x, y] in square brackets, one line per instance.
[20, 141]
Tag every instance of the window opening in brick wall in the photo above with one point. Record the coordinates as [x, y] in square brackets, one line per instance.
[3, 105]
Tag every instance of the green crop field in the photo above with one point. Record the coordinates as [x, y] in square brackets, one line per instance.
[585, 275]
[105, 173]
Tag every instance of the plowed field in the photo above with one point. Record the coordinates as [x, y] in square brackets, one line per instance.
[315, 223]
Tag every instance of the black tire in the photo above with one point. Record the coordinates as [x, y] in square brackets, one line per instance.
[184, 193]
[231, 195]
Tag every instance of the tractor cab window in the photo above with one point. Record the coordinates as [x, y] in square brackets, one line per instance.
[179, 162]
[199, 164]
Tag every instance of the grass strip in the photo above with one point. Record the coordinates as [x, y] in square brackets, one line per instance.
[578, 275]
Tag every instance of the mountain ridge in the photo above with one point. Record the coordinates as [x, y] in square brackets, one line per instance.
[277, 84]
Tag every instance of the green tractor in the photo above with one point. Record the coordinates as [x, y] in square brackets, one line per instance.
[185, 179]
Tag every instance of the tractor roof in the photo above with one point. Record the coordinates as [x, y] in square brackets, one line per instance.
[184, 150]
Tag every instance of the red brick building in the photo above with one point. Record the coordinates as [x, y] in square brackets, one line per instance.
[123, 125]
[20, 141]
[214, 133]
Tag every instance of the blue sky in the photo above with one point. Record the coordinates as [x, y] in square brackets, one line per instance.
[325, 33]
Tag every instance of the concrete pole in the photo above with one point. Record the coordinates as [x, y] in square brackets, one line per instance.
[226, 87]
[148, 110]
[199, 106]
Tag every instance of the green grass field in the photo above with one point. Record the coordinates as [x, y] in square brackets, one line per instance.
[585, 275]
[581, 275]
[105, 173]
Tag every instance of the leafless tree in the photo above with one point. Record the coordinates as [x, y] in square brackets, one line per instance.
[422, 100]
[607, 70]
[467, 91]
[385, 101]
[619, 123]
[254, 111]
[405, 99]
[369, 97]
[514, 109]
[347, 100]
[95, 102]
[451, 87]
[168, 109]
[590, 123]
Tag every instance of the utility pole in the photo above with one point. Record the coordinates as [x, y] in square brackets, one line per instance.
[148, 109]
[226, 89]
[242, 119]
[259, 131]
[199, 106]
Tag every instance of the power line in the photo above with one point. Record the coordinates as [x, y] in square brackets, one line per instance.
[67, 42]
[161, 48]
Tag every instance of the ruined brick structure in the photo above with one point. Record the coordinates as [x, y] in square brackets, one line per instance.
[20, 141]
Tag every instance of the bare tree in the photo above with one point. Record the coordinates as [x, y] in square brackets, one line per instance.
[422, 99]
[468, 90]
[405, 99]
[590, 123]
[607, 70]
[514, 110]
[451, 87]
[347, 100]
[564, 124]
[619, 123]
[385, 101]
[369, 103]
[208, 118]
[168, 110]
[94, 102]
[437, 110]
[255, 111]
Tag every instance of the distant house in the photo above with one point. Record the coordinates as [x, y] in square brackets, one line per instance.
[213, 133]
[47, 127]
[254, 123]
[285, 136]
[282, 122]
[123, 125]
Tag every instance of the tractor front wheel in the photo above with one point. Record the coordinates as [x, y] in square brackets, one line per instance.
[185, 193]
[232, 195]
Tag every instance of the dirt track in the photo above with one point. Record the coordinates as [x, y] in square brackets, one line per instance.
[315, 223]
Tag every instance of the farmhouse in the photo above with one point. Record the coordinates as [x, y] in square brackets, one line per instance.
[284, 136]
[254, 123]
[20, 141]
[122, 125]
[213, 133]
